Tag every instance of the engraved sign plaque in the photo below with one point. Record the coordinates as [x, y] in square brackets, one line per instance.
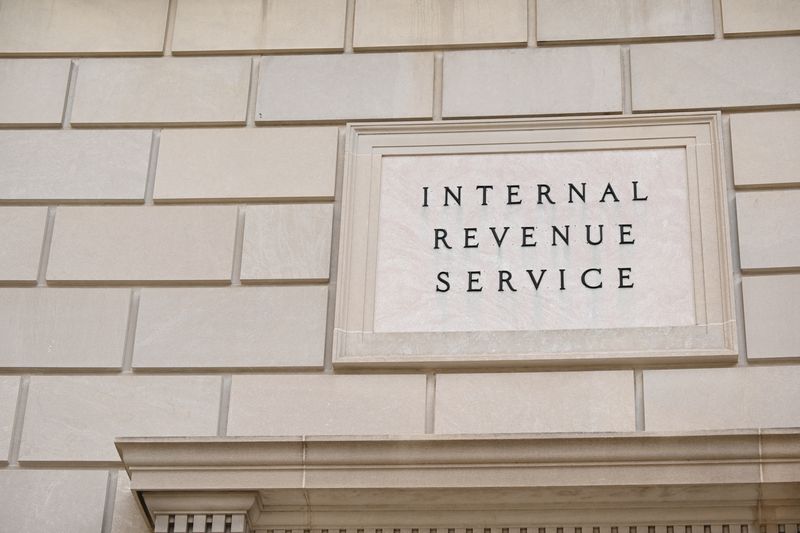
[533, 242]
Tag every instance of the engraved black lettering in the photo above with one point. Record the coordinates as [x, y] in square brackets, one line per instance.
[583, 278]
[483, 189]
[440, 235]
[504, 277]
[580, 194]
[474, 281]
[444, 283]
[448, 193]
[609, 191]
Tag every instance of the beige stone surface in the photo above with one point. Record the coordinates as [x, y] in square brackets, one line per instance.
[40, 501]
[287, 242]
[345, 87]
[231, 327]
[327, 404]
[21, 235]
[127, 516]
[578, 20]
[9, 388]
[247, 163]
[768, 222]
[772, 316]
[541, 402]
[532, 81]
[74, 165]
[713, 74]
[207, 90]
[165, 243]
[415, 23]
[765, 148]
[76, 418]
[760, 16]
[695, 399]
[33, 91]
[63, 328]
[82, 26]
[258, 25]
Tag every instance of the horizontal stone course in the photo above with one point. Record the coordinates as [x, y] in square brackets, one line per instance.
[327, 404]
[33, 91]
[161, 91]
[696, 399]
[67, 501]
[345, 87]
[57, 27]
[760, 16]
[420, 23]
[246, 163]
[9, 389]
[259, 25]
[243, 327]
[287, 242]
[578, 20]
[772, 316]
[77, 418]
[63, 328]
[532, 81]
[144, 244]
[541, 402]
[768, 235]
[21, 235]
[731, 73]
[765, 148]
[74, 165]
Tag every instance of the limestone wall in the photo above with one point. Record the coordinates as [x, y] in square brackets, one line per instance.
[169, 209]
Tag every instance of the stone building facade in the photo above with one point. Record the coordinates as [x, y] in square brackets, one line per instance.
[180, 229]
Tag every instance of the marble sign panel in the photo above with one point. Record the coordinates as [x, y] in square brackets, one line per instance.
[530, 242]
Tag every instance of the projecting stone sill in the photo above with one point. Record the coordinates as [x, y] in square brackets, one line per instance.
[739, 477]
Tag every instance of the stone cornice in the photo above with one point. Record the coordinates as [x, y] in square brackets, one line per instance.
[314, 482]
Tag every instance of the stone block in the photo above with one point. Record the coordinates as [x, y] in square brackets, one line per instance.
[67, 501]
[63, 328]
[327, 404]
[33, 91]
[760, 16]
[74, 165]
[532, 81]
[768, 222]
[9, 389]
[345, 87]
[259, 25]
[772, 316]
[22, 233]
[729, 74]
[69, 28]
[77, 418]
[577, 20]
[765, 148]
[287, 242]
[699, 399]
[163, 91]
[127, 516]
[421, 23]
[252, 327]
[247, 163]
[165, 243]
[540, 402]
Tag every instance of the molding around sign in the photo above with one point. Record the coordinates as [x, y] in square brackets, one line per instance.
[712, 339]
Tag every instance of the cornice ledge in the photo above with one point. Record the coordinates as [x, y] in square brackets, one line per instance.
[300, 481]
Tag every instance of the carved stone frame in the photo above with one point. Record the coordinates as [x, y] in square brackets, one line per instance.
[711, 338]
